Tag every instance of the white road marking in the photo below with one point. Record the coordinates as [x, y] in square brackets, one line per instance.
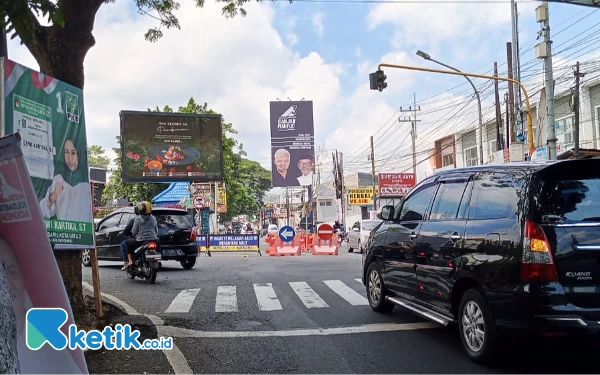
[347, 293]
[226, 299]
[174, 356]
[359, 280]
[178, 332]
[307, 295]
[266, 297]
[183, 302]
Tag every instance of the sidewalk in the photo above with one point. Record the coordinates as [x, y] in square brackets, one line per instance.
[105, 361]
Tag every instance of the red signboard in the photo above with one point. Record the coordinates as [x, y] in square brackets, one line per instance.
[325, 232]
[394, 184]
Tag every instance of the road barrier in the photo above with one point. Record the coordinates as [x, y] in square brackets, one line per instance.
[282, 248]
[306, 242]
[326, 247]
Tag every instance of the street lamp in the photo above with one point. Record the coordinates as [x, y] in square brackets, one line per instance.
[426, 56]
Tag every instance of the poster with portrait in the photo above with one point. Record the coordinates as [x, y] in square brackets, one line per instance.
[292, 143]
[48, 114]
[29, 267]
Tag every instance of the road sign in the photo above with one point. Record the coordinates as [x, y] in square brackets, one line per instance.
[325, 232]
[199, 202]
[287, 233]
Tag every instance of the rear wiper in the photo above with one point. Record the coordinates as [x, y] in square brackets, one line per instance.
[552, 218]
[592, 218]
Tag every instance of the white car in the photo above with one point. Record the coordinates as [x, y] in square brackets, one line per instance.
[273, 229]
[357, 237]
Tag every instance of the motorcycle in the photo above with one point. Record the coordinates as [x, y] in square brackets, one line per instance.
[145, 263]
[342, 236]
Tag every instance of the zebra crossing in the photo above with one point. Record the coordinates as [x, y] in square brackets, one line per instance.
[226, 298]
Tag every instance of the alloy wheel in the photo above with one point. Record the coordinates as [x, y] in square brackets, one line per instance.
[374, 287]
[86, 257]
[473, 326]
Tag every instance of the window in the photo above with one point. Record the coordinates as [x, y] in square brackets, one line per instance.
[324, 203]
[494, 197]
[447, 200]
[565, 130]
[493, 144]
[125, 219]
[574, 199]
[416, 204]
[328, 203]
[173, 221]
[110, 222]
[447, 160]
[471, 156]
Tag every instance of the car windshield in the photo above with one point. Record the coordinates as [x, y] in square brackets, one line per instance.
[272, 227]
[370, 225]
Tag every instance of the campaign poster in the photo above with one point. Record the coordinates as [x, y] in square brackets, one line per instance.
[171, 147]
[292, 143]
[49, 116]
[29, 263]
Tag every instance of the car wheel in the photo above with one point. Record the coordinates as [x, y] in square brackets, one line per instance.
[476, 326]
[86, 257]
[376, 291]
[188, 263]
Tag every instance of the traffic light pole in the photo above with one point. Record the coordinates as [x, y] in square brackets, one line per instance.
[382, 85]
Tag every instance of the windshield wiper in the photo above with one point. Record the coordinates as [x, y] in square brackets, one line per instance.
[552, 218]
[591, 218]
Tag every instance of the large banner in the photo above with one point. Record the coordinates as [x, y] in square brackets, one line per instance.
[360, 196]
[49, 116]
[395, 184]
[170, 147]
[292, 143]
[233, 242]
[29, 268]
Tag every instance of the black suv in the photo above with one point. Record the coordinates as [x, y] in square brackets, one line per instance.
[176, 237]
[496, 249]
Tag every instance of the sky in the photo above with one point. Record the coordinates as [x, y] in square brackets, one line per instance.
[324, 51]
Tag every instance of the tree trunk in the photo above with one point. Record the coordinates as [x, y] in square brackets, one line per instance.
[60, 52]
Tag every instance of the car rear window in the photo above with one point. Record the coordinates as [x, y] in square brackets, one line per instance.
[574, 200]
[172, 220]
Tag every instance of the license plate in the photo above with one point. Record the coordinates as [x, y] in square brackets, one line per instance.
[170, 252]
[153, 256]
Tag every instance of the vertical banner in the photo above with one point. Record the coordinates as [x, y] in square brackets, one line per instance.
[49, 116]
[222, 198]
[292, 143]
[30, 266]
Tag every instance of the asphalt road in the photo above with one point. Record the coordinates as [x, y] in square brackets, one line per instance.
[248, 314]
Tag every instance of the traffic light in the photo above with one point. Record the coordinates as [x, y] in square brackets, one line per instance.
[377, 80]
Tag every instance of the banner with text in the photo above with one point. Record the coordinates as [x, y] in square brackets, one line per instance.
[360, 196]
[49, 116]
[169, 147]
[29, 273]
[233, 242]
[395, 184]
[206, 190]
[292, 143]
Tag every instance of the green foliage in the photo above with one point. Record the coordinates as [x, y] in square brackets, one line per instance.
[135, 192]
[246, 181]
[96, 157]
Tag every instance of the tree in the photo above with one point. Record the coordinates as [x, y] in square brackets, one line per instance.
[96, 157]
[246, 181]
[60, 50]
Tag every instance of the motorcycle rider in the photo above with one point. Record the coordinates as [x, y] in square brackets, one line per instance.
[249, 229]
[145, 228]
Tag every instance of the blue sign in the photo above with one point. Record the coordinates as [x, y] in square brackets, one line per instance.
[233, 242]
[202, 240]
[287, 233]
[205, 217]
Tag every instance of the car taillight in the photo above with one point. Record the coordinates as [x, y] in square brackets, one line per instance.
[537, 263]
[193, 235]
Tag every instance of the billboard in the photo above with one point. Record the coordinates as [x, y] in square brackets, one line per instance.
[360, 196]
[395, 184]
[170, 147]
[292, 143]
[49, 116]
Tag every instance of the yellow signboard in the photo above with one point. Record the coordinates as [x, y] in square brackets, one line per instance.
[222, 198]
[207, 190]
[362, 196]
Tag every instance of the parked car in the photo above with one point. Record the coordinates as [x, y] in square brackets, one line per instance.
[359, 234]
[508, 248]
[273, 229]
[177, 239]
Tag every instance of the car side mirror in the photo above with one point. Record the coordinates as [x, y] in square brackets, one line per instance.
[387, 213]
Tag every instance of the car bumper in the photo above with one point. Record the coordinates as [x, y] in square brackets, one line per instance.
[174, 252]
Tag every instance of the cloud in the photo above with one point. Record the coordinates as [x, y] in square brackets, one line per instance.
[317, 22]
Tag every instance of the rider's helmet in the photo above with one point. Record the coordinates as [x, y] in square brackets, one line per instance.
[143, 208]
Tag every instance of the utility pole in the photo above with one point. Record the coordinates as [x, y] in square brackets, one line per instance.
[507, 101]
[413, 131]
[3, 43]
[517, 60]
[343, 196]
[544, 51]
[499, 141]
[576, 110]
[511, 95]
[287, 204]
[373, 174]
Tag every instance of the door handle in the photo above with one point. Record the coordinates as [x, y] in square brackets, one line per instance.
[412, 236]
[455, 237]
